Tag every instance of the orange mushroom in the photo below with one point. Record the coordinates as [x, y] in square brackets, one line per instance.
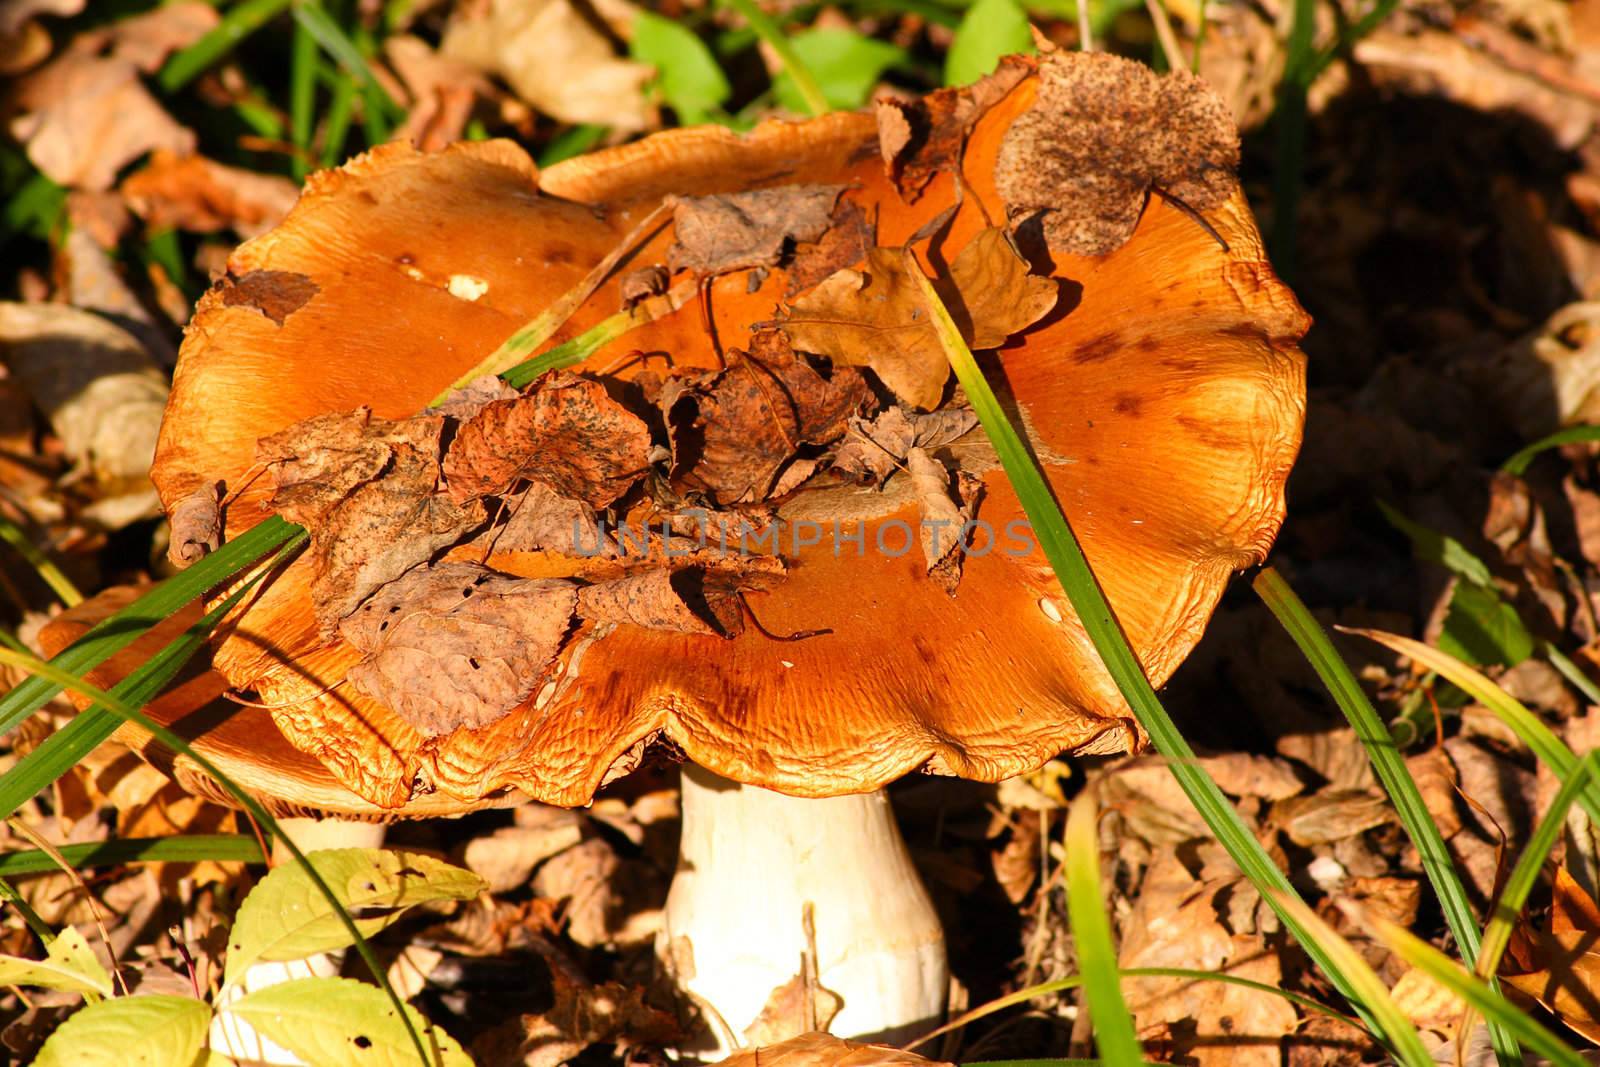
[1163, 394]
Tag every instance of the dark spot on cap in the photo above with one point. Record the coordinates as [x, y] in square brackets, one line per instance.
[1147, 344]
[1097, 348]
[277, 294]
[1129, 405]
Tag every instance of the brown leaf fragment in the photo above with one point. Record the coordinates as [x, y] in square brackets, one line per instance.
[875, 318]
[443, 92]
[462, 404]
[733, 432]
[543, 520]
[1564, 971]
[824, 1050]
[1102, 133]
[735, 231]
[196, 525]
[277, 294]
[871, 451]
[198, 194]
[641, 284]
[943, 519]
[682, 601]
[367, 489]
[843, 244]
[919, 138]
[1331, 815]
[456, 645]
[582, 1015]
[564, 432]
[787, 1014]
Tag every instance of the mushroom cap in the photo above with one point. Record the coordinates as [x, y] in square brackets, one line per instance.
[1164, 398]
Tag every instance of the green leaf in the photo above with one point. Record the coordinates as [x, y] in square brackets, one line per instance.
[69, 964]
[1434, 547]
[150, 1031]
[990, 29]
[339, 1022]
[691, 82]
[285, 917]
[1482, 628]
[846, 64]
[1518, 464]
[1114, 1034]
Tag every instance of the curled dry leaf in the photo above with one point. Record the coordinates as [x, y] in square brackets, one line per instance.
[1103, 132]
[920, 138]
[1560, 965]
[689, 600]
[843, 244]
[367, 489]
[943, 518]
[871, 451]
[737, 231]
[565, 433]
[443, 92]
[544, 520]
[188, 192]
[824, 1050]
[462, 404]
[456, 644]
[196, 525]
[581, 1016]
[875, 318]
[796, 1007]
[732, 432]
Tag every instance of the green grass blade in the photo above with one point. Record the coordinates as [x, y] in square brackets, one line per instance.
[302, 97]
[1572, 435]
[1289, 127]
[185, 848]
[1514, 896]
[1571, 672]
[1077, 580]
[59, 583]
[1485, 1001]
[264, 818]
[241, 21]
[1403, 1038]
[1525, 724]
[336, 123]
[1392, 772]
[59, 752]
[310, 16]
[1114, 1033]
[570, 353]
[123, 628]
[768, 31]
[34, 921]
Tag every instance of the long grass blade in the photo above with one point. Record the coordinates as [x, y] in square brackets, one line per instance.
[185, 848]
[315, 20]
[177, 744]
[59, 583]
[1572, 435]
[1114, 1033]
[1546, 746]
[1392, 772]
[804, 80]
[123, 628]
[1485, 1001]
[1077, 580]
[241, 21]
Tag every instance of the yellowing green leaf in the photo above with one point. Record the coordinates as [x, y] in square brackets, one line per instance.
[339, 1022]
[286, 918]
[69, 964]
[152, 1031]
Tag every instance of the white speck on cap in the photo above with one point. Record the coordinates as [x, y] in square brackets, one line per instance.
[1049, 608]
[466, 287]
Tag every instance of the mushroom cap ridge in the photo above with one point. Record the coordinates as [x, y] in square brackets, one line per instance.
[1165, 399]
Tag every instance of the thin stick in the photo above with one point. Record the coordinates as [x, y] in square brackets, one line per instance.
[1164, 34]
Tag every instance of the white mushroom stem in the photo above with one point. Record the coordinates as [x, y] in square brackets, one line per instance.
[232, 1036]
[750, 862]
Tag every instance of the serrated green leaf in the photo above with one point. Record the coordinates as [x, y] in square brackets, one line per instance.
[286, 918]
[69, 964]
[1482, 628]
[687, 74]
[339, 1022]
[152, 1031]
[846, 64]
[990, 29]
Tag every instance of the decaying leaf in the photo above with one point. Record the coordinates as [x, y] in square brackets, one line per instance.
[844, 243]
[824, 1050]
[582, 1015]
[920, 138]
[461, 404]
[688, 601]
[196, 525]
[1331, 815]
[871, 451]
[564, 432]
[1563, 963]
[875, 318]
[190, 192]
[457, 645]
[787, 1012]
[1103, 132]
[737, 231]
[943, 519]
[443, 92]
[277, 294]
[543, 520]
[732, 432]
[367, 489]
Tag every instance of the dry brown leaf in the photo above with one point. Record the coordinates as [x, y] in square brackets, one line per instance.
[736, 231]
[582, 1015]
[787, 1014]
[443, 92]
[505, 859]
[367, 489]
[943, 519]
[843, 244]
[875, 318]
[1565, 971]
[1436, 781]
[194, 193]
[608, 900]
[732, 432]
[824, 1050]
[196, 525]
[457, 645]
[1103, 132]
[919, 138]
[564, 432]
[1331, 815]
[542, 520]
[553, 59]
[277, 294]
[463, 403]
[686, 601]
